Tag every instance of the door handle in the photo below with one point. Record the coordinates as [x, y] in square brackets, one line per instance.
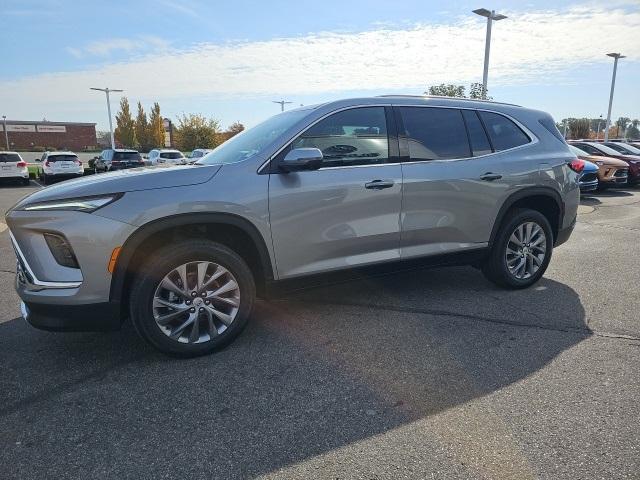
[490, 177]
[379, 184]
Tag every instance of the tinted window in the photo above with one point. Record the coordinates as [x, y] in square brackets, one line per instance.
[352, 137]
[171, 155]
[119, 156]
[62, 158]
[477, 136]
[9, 157]
[623, 149]
[588, 148]
[504, 134]
[435, 133]
[551, 126]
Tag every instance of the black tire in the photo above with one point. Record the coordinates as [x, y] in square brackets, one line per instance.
[163, 261]
[44, 179]
[495, 266]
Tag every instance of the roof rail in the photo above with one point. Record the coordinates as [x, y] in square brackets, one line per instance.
[451, 98]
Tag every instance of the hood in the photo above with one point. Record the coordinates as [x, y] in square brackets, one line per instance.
[608, 161]
[135, 179]
[589, 167]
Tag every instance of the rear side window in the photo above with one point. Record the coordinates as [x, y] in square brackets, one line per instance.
[477, 136]
[61, 158]
[357, 136]
[551, 126]
[9, 157]
[435, 133]
[504, 134]
[588, 148]
[126, 156]
[171, 155]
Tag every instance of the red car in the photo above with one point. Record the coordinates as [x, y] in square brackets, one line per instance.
[600, 150]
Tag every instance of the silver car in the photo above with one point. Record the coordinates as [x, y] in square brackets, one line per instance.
[357, 183]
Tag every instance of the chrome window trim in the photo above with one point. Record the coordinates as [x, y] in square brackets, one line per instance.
[533, 139]
[39, 283]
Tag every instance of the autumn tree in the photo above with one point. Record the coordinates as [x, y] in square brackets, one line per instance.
[125, 132]
[234, 129]
[579, 127]
[142, 130]
[196, 131]
[156, 127]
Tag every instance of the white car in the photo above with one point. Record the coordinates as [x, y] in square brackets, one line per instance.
[60, 165]
[198, 153]
[165, 156]
[13, 166]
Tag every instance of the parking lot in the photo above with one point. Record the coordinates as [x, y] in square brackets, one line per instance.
[421, 374]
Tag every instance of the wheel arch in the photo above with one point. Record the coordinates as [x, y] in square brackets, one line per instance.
[223, 227]
[542, 199]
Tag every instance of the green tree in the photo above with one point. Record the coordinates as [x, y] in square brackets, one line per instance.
[477, 90]
[196, 131]
[142, 130]
[234, 129]
[579, 127]
[633, 131]
[447, 90]
[156, 127]
[125, 132]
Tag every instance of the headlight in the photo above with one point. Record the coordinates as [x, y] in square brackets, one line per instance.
[83, 204]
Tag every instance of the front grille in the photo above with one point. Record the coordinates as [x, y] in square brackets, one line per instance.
[621, 173]
[589, 177]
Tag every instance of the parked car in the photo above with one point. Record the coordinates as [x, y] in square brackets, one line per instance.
[349, 184]
[57, 165]
[600, 150]
[118, 159]
[166, 156]
[623, 148]
[611, 171]
[13, 166]
[589, 177]
[197, 154]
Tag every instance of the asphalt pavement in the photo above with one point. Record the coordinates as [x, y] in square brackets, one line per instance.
[422, 374]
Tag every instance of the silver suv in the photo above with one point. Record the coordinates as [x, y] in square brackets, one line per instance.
[184, 251]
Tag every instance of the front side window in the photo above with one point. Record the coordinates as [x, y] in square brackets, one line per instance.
[435, 133]
[504, 133]
[357, 136]
[623, 149]
[588, 148]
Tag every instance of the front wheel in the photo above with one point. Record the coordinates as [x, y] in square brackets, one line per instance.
[521, 250]
[192, 298]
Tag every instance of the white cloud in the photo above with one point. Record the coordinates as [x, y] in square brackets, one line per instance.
[534, 47]
[104, 48]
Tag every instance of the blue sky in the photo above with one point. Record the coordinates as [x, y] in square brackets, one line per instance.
[228, 60]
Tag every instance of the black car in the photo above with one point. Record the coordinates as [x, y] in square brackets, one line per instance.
[118, 159]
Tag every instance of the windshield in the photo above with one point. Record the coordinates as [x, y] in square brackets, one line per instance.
[624, 149]
[9, 158]
[253, 141]
[61, 158]
[577, 152]
[117, 156]
[607, 150]
[171, 155]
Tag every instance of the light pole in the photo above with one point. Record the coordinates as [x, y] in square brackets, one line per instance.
[491, 16]
[282, 104]
[6, 134]
[616, 57]
[107, 91]
[599, 126]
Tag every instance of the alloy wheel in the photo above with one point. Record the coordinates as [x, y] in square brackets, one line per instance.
[526, 250]
[196, 302]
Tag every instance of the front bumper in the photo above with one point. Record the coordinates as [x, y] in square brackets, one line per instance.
[98, 317]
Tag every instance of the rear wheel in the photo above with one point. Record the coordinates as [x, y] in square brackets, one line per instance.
[192, 298]
[25, 181]
[44, 178]
[521, 250]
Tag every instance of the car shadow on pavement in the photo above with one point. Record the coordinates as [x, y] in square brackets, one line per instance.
[318, 371]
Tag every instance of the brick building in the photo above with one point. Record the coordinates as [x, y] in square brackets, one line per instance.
[24, 135]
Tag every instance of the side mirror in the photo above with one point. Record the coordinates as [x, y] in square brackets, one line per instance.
[302, 159]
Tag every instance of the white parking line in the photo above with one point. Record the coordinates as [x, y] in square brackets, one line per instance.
[3, 227]
[37, 183]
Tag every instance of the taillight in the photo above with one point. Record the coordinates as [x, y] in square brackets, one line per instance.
[78, 162]
[46, 164]
[21, 164]
[576, 165]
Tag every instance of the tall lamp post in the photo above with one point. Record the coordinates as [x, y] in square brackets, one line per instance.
[282, 104]
[616, 57]
[6, 135]
[491, 16]
[599, 126]
[107, 91]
